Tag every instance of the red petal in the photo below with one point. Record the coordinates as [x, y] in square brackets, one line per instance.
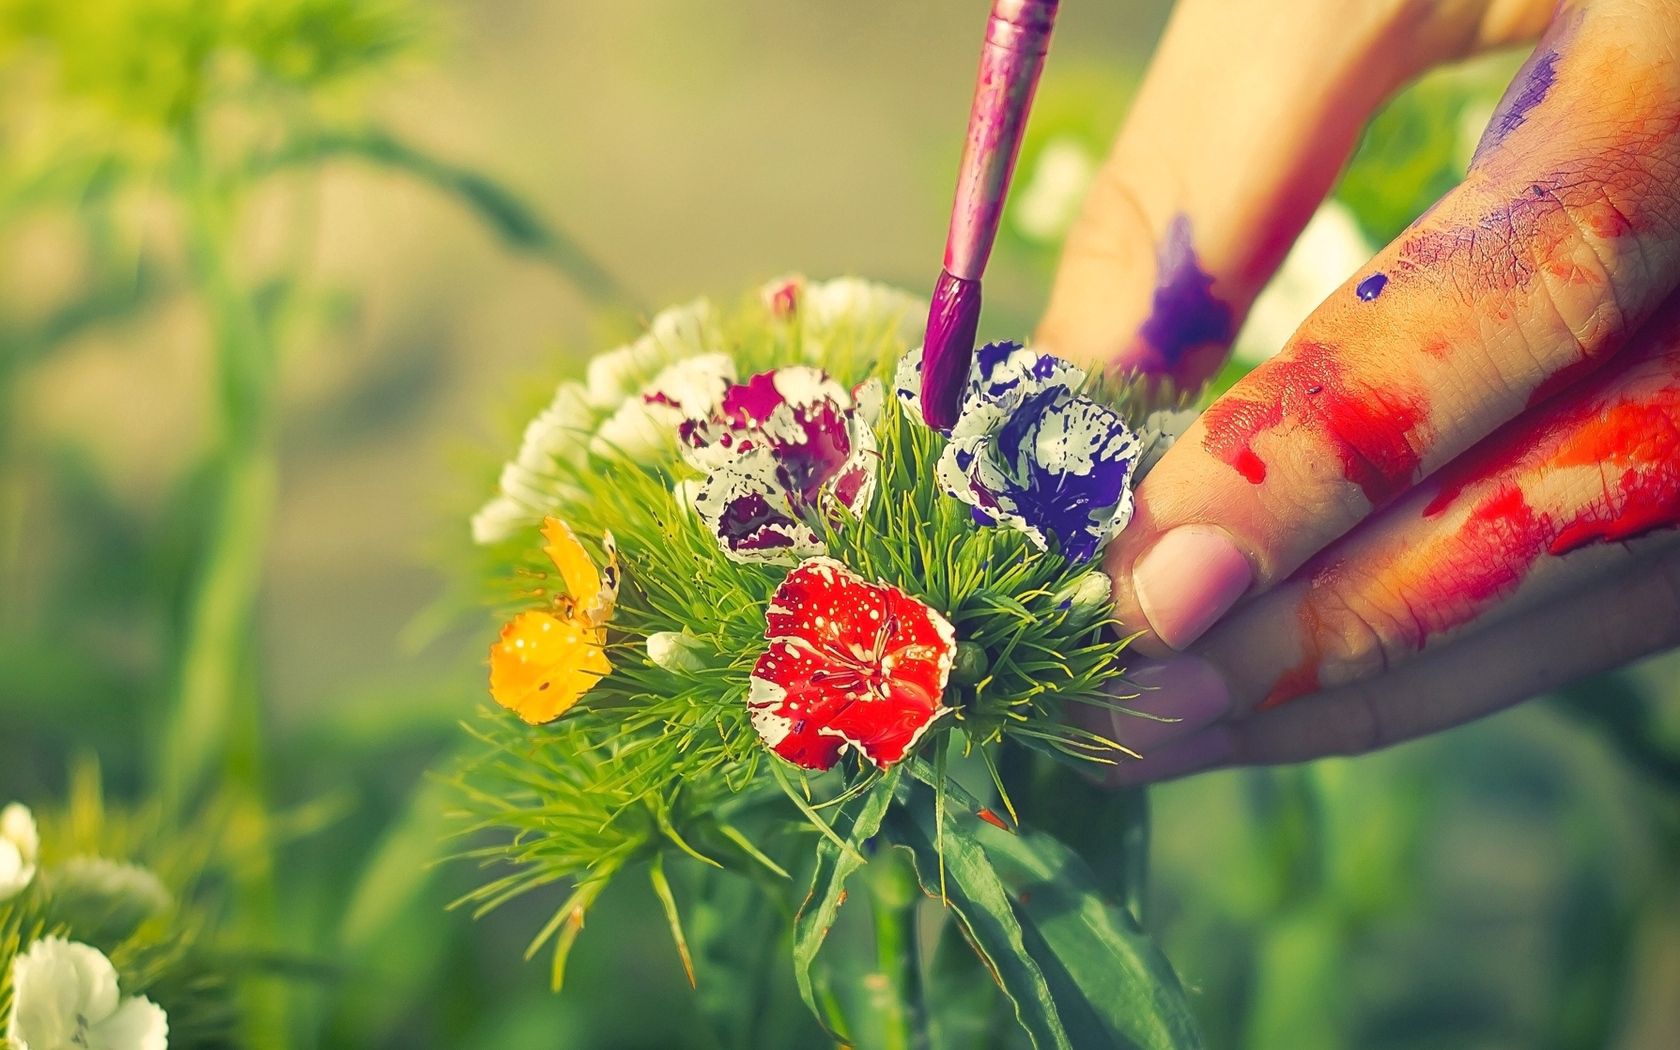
[886, 728]
[849, 661]
[828, 607]
[791, 700]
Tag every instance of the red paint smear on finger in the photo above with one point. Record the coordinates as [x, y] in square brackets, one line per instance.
[1370, 432]
[1628, 432]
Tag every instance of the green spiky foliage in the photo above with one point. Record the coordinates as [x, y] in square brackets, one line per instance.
[165, 949]
[658, 765]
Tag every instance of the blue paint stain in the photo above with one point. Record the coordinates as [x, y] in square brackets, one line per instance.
[1371, 287]
[1185, 314]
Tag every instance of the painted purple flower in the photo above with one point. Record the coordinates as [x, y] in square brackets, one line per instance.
[1030, 452]
[778, 446]
[1001, 377]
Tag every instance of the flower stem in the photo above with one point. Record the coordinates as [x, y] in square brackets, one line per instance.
[896, 983]
[215, 727]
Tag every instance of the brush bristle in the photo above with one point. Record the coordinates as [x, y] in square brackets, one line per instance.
[953, 318]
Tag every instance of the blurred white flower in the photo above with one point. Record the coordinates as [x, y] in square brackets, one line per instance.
[20, 847]
[108, 895]
[1331, 249]
[64, 997]
[1054, 191]
[886, 316]
[1160, 429]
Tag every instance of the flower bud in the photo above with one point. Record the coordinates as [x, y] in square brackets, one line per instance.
[676, 651]
[1087, 597]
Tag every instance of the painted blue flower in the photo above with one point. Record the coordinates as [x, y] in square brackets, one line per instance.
[1028, 451]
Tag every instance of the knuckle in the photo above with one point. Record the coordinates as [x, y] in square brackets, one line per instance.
[1359, 636]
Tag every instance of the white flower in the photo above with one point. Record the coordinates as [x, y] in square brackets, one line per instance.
[1329, 250]
[20, 846]
[674, 334]
[64, 997]
[1088, 596]
[1051, 196]
[106, 894]
[875, 315]
[612, 398]
[646, 425]
[686, 493]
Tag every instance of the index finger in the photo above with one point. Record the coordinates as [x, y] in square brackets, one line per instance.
[1560, 242]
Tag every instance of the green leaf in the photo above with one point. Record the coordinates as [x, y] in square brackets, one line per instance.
[837, 860]
[1077, 967]
[738, 928]
[1108, 963]
[953, 864]
[668, 901]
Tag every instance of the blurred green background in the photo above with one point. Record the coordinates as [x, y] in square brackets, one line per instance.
[275, 276]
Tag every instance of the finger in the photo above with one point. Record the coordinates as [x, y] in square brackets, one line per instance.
[1557, 499]
[1624, 618]
[1525, 278]
[1171, 248]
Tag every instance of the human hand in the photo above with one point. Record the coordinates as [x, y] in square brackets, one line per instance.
[1458, 483]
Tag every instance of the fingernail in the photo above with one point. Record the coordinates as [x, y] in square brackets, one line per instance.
[1188, 580]
[1204, 751]
[1175, 698]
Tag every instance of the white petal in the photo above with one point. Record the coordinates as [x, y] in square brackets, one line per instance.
[15, 875]
[139, 1024]
[56, 985]
[500, 519]
[675, 651]
[17, 826]
[638, 432]
[878, 315]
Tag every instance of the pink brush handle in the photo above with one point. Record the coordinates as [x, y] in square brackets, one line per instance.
[1017, 37]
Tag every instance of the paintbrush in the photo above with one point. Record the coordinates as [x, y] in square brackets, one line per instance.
[1017, 36]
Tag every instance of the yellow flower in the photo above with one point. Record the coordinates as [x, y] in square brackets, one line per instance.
[546, 660]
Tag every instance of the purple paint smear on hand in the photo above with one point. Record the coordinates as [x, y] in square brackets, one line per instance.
[1528, 88]
[953, 318]
[1185, 313]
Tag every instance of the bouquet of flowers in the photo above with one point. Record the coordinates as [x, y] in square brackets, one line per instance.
[769, 636]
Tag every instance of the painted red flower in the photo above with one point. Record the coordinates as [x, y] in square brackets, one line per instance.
[849, 662]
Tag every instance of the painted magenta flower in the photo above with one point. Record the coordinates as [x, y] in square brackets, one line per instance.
[849, 662]
[546, 660]
[778, 449]
[20, 847]
[65, 997]
[1030, 452]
